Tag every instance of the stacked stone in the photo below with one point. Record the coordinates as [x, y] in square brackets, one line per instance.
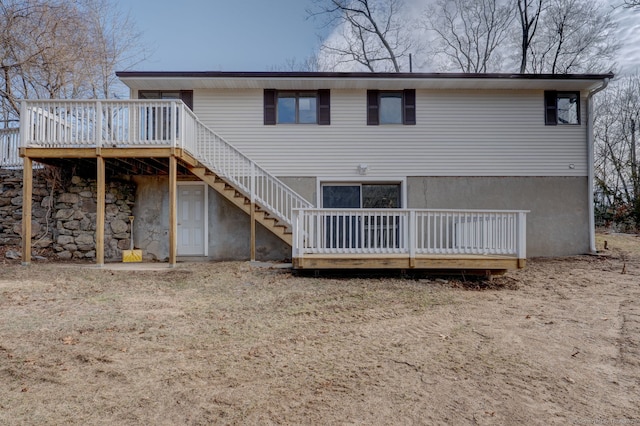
[11, 208]
[76, 219]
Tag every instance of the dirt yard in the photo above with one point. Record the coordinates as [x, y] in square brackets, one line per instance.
[228, 343]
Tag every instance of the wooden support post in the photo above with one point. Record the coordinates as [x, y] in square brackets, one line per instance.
[253, 212]
[253, 232]
[100, 211]
[27, 201]
[411, 237]
[173, 211]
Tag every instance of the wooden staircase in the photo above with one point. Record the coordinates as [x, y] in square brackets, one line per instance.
[150, 128]
[244, 203]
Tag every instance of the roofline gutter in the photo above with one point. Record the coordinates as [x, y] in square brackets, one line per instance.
[352, 75]
[591, 160]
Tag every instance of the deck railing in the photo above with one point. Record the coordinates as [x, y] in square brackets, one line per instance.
[238, 169]
[9, 148]
[148, 123]
[409, 231]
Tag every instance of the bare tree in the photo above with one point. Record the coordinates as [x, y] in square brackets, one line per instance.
[368, 32]
[117, 44]
[61, 49]
[616, 131]
[632, 3]
[529, 14]
[310, 63]
[573, 36]
[470, 32]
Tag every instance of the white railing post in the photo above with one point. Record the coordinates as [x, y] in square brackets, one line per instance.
[174, 124]
[25, 124]
[298, 233]
[522, 236]
[412, 236]
[181, 131]
[252, 185]
[99, 123]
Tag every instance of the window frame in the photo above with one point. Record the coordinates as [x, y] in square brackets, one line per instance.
[408, 106]
[551, 116]
[400, 182]
[323, 106]
[296, 96]
[185, 96]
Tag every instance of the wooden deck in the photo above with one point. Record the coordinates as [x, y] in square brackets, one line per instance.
[166, 138]
[398, 261]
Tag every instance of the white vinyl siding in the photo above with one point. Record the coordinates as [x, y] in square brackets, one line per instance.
[458, 133]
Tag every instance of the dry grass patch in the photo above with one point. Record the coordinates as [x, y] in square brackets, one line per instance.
[231, 344]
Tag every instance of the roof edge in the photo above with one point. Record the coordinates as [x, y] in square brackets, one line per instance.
[356, 75]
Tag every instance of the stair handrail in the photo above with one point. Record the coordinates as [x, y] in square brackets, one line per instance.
[114, 123]
[238, 169]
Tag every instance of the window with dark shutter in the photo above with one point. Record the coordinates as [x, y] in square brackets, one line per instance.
[391, 107]
[270, 97]
[324, 107]
[297, 107]
[561, 108]
[372, 108]
[550, 109]
[185, 96]
[409, 104]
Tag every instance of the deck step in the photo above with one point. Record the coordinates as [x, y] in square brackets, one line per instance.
[244, 203]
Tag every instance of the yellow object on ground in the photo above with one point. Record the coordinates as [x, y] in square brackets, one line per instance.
[132, 255]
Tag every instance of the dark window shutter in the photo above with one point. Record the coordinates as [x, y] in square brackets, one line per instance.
[578, 107]
[550, 108]
[409, 105]
[372, 108]
[324, 107]
[186, 96]
[270, 97]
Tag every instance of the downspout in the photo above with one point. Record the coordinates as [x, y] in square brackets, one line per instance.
[591, 163]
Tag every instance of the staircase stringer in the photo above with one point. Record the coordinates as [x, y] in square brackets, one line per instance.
[243, 203]
[274, 201]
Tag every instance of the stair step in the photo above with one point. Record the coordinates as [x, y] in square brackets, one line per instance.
[243, 202]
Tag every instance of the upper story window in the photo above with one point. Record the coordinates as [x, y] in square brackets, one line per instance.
[185, 96]
[391, 107]
[561, 107]
[296, 107]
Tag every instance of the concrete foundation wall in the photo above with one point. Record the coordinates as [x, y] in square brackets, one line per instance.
[229, 227]
[558, 224]
[305, 186]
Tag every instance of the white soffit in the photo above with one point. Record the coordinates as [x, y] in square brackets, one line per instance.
[163, 82]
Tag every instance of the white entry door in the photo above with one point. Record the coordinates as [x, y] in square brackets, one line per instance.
[192, 219]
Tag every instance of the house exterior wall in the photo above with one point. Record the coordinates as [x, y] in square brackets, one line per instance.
[229, 227]
[468, 150]
[558, 222]
[458, 133]
[471, 149]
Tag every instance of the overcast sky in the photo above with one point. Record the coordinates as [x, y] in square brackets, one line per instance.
[223, 35]
[258, 35]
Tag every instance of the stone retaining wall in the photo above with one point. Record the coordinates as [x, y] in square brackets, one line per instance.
[64, 221]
